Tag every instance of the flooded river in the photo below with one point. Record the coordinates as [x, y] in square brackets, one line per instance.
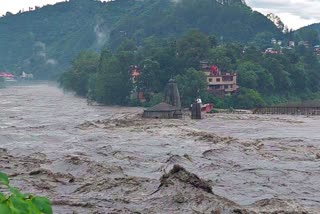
[94, 159]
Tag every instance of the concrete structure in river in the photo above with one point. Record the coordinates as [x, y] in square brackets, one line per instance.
[172, 95]
[171, 108]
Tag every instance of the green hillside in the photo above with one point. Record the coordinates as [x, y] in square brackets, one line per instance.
[46, 40]
[310, 33]
[315, 27]
[232, 21]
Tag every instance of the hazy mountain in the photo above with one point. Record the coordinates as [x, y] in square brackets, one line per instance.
[45, 41]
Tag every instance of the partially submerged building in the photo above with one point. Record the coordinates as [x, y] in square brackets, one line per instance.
[171, 108]
[163, 111]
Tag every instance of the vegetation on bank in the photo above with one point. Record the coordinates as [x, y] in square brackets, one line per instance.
[16, 202]
[265, 79]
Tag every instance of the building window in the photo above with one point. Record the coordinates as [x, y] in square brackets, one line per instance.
[210, 79]
[218, 79]
[215, 87]
[226, 86]
[228, 78]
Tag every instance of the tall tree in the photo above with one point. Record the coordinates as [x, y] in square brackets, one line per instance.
[77, 77]
[192, 48]
[149, 78]
[112, 87]
[191, 84]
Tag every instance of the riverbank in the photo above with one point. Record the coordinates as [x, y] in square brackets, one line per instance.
[94, 159]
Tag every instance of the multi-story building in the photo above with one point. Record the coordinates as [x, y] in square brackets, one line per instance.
[220, 83]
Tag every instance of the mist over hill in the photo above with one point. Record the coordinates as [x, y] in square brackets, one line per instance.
[45, 41]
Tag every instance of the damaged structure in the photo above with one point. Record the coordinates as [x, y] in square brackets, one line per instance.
[171, 108]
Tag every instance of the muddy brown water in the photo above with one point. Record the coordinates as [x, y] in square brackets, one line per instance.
[95, 159]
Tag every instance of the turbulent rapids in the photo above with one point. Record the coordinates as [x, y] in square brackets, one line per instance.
[95, 159]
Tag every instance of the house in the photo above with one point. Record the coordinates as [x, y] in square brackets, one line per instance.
[291, 44]
[317, 50]
[8, 77]
[26, 76]
[219, 83]
[271, 51]
[304, 43]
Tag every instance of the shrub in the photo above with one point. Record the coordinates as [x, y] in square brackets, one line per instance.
[248, 98]
[156, 99]
[134, 102]
[16, 202]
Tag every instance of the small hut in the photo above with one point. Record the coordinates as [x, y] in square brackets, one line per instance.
[163, 111]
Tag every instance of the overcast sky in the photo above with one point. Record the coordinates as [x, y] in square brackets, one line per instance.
[294, 13]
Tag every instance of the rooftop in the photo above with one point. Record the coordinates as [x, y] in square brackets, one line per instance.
[162, 107]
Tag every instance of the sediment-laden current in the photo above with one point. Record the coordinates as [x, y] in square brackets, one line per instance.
[95, 159]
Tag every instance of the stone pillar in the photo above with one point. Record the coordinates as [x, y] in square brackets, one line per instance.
[196, 111]
[172, 95]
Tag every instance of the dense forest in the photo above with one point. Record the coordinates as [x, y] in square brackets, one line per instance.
[265, 79]
[230, 20]
[45, 40]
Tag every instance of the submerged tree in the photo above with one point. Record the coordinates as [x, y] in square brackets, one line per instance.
[77, 78]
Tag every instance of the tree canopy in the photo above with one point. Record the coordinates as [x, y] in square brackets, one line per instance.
[264, 78]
